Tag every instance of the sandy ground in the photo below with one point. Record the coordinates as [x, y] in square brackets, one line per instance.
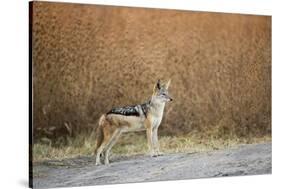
[243, 160]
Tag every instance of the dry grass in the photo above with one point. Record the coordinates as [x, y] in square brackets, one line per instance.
[88, 59]
[133, 144]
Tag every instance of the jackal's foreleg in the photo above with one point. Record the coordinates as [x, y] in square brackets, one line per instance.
[155, 142]
[150, 142]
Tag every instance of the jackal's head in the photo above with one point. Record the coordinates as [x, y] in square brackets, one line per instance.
[160, 92]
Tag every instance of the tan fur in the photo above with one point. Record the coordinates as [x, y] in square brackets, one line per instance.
[111, 126]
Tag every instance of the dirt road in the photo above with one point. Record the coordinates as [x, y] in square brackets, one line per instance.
[244, 160]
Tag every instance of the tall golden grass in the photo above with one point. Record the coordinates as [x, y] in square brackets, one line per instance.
[88, 59]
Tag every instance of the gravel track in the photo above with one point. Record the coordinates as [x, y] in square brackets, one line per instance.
[244, 160]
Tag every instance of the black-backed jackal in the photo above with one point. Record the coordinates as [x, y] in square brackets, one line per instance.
[145, 116]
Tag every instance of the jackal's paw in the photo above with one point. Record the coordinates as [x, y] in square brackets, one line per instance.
[160, 153]
[106, 162]
[154, 154]
[98, 163]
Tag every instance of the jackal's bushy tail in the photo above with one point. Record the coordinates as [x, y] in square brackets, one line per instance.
[99, 133]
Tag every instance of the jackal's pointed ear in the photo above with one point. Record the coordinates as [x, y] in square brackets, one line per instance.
[157, 86]
[166, 86]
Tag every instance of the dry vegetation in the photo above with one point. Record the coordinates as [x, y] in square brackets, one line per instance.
[135, 144]
[88, 59]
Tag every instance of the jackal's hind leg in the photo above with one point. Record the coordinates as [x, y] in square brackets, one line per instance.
[113, 140]
[100, 150]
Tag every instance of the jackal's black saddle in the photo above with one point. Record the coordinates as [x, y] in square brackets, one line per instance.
[131, 110]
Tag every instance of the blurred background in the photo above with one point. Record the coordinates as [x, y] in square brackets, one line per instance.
[88, 59]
